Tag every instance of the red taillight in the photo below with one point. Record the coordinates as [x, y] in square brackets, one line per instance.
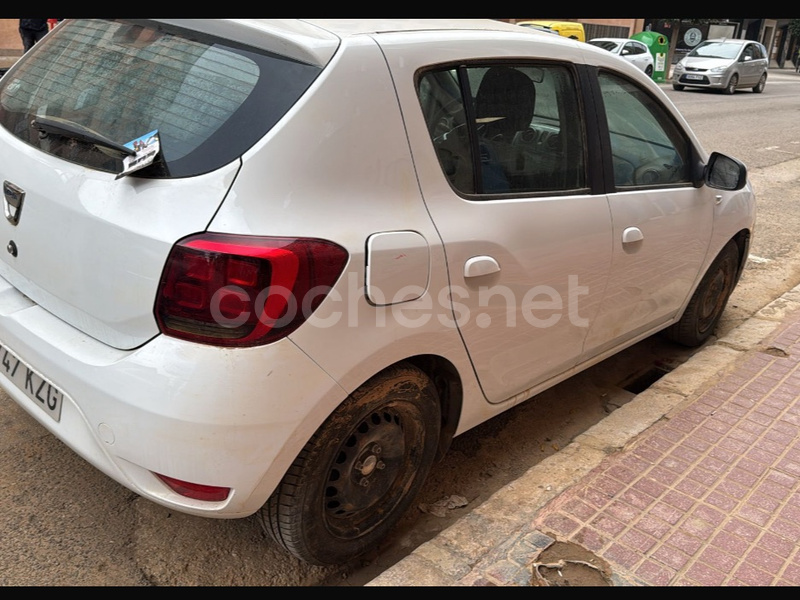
[231, 290]
[208, 493]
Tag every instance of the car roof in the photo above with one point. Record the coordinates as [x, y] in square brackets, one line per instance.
[611, 39]
[349, 27]
[547, 22]
[315, 40]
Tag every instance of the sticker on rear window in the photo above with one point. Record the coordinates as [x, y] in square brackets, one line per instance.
[146, 148]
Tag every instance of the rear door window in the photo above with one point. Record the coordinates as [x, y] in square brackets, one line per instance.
[208, 99]
[506, 129]
[634, 48]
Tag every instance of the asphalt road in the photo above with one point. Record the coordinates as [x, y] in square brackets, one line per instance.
[64, 523]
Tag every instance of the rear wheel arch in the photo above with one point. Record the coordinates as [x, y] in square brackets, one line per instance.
[447, 380]
[449, 388]
[762, 82]
[363, 467]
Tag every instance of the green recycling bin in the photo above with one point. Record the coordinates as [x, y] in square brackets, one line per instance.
[659, 48]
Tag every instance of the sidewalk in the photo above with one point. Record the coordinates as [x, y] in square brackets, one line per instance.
[696, 482]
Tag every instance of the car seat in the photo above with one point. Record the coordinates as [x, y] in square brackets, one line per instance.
[504, 105]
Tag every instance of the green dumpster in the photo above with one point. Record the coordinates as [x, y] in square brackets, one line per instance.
[659, 48]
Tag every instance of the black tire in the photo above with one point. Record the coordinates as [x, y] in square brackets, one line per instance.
[733, 82]
[360, 471]
[760, 85]
[709, 300]
[677, 87]
[648, 70]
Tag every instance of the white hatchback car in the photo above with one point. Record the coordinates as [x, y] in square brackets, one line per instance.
[274, 267]
[633, 51]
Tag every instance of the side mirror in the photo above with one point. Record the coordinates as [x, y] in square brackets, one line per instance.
[725, 173]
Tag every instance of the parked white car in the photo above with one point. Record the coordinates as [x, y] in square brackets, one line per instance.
[633, 51]
[272, 268]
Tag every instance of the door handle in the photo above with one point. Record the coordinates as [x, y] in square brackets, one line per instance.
[478, 266]
[631, 235]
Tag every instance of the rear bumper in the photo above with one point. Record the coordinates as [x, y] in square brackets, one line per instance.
[230, 418]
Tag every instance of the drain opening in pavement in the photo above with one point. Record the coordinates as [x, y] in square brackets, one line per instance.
[640, 382]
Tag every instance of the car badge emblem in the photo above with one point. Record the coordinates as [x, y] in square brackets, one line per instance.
[12, 202]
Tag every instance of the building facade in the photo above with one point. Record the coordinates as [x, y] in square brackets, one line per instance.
[773, 33]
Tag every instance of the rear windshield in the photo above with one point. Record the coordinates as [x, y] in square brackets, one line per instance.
[208, 99]
[604, 44]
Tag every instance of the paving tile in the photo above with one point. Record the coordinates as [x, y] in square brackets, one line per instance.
[718, 559]
[749, 575]
[703, 574]
[655, 574]
[670, 556]
[638, 541]
[591, 539]
[739, 528]
[622, 555]
[605, 523]
[731, 544]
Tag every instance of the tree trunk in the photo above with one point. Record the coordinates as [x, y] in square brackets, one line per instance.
[674, 37]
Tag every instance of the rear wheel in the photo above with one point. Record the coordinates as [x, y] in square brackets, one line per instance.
[708, 302]
[760, 85]
[732, 83]
[648, 70]
[360, 471]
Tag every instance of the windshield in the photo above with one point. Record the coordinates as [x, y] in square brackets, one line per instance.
[716, 50]
[208, 99]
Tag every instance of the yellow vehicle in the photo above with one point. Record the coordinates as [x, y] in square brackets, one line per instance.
[570, 29]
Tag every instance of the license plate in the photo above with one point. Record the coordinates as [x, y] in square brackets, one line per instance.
[694, 77]
[43, 393]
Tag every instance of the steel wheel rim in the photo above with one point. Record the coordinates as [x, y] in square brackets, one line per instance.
[714, 299]
[372, 468]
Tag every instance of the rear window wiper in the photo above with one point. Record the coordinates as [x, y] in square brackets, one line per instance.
[70, 129]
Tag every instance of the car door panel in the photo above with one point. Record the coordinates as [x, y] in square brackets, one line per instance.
[652, 274]
[526, 322]
[662, 224]
[528, 246]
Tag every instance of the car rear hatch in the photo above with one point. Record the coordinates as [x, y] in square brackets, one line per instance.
[86, 243]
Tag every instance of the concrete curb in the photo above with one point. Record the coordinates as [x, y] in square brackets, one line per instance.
[459, 553]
